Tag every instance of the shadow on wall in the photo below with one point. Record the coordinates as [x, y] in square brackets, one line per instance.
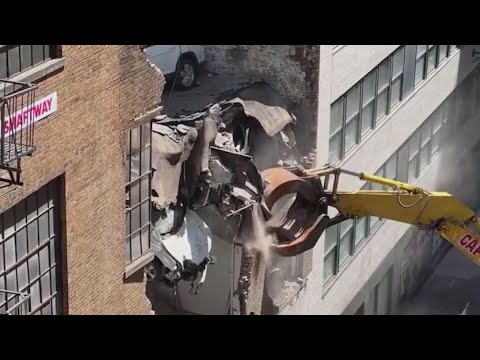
[458, 171]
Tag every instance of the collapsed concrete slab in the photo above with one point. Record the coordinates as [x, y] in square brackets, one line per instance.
[207, 176]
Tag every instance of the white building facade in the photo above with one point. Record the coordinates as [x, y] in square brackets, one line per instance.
[408, 112]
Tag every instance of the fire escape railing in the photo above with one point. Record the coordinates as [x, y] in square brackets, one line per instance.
[16, 303]
[17, 118]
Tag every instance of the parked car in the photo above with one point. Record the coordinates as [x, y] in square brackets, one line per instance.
[180, 64]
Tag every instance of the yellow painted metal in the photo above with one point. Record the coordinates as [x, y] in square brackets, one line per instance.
[410, 204]
[417, 209]
[464, 239]
[388, 182]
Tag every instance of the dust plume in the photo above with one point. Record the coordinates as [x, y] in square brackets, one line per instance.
[260, 240]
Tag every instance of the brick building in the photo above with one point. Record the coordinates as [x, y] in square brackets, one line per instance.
[62, 232]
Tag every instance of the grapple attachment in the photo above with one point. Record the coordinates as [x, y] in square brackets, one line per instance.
[296, 208]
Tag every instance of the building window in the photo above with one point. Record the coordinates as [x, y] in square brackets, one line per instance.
[138, 170]
[336, 131]
[420, 63]
[368, 103]
[413, 145]
[30, 261]
[398, 60]
[383, 89]
[365, 105]
[330, 253]
[382, 300]
[425, 137]
[343, 240]
[345, 243]
[442, 53]
[352, 117]
[439, 121]
[432, 58]
[17, 58]
[428, 58]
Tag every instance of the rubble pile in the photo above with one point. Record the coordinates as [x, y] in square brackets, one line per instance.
[210, 162]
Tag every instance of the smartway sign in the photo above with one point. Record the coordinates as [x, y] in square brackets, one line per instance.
[39, 110]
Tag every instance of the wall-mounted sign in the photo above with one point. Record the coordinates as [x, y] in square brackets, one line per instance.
[39, 110]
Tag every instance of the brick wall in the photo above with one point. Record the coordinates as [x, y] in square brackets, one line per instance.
[101, 90]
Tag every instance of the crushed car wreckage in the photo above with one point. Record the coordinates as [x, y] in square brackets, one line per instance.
[211, 162]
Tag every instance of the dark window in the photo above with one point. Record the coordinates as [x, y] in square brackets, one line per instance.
[432, 58]
[30, 255]
[17, 58]
[138, 171]
[398, 61]
[420, 64]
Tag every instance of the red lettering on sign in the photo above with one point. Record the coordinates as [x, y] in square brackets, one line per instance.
[24, 116]
[37, 110]
[465, 239]
[44, 107]
[471, 245]
[477, 251]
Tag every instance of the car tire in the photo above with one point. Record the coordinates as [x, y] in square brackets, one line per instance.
[187, 74]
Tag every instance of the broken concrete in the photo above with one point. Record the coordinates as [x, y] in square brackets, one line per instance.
[207, 191]
[170, 148]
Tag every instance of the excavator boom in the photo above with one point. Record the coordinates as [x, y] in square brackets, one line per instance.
[300, 223]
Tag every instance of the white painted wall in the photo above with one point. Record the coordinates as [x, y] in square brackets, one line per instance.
[352, 62]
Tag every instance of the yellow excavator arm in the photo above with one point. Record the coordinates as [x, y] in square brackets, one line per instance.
[299, 226]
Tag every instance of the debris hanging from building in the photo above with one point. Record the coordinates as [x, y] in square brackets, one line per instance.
[207, 165]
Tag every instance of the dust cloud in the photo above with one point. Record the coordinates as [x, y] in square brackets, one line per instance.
[261, 241]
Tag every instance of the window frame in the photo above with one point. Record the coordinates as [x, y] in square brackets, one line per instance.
[143, 199]
[354, 246]
[440, 60]
[435, 59]
[425, 143]
[399, 77]
[402, 162]
[49, 52]
[425, 64]
[377, 121]
[41, 203]
[388, 277]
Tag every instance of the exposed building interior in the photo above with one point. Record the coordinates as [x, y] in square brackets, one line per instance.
[208, 214]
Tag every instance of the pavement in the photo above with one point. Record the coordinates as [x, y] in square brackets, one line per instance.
[452, 289]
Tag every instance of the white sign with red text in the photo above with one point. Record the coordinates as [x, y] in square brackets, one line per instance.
[40, 110]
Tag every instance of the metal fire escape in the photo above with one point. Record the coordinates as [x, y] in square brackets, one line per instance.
[17, 117]
[14, 303]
